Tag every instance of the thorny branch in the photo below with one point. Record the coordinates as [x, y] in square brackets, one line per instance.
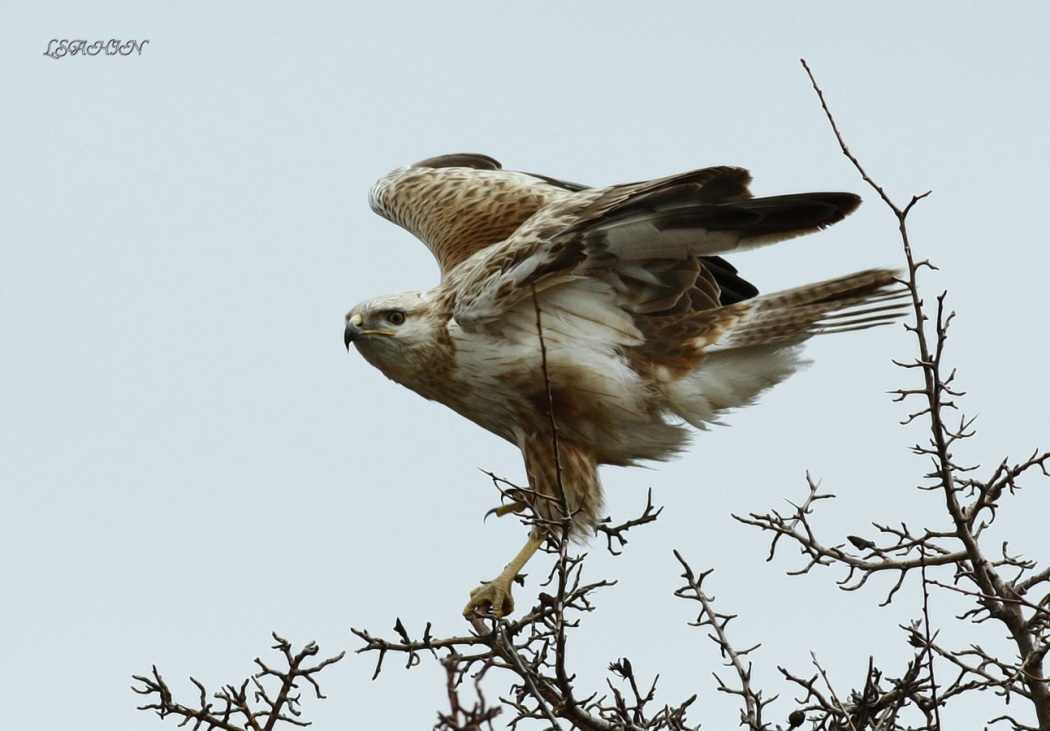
[526, 648]
[250, 705]
[561, 567]
[997, 584]
[877, 705]
[754, 704]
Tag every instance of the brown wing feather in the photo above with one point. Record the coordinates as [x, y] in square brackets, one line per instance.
[657, 243]
[460, 204]
[654, 243]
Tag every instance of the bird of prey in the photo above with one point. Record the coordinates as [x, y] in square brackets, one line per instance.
[589, 326]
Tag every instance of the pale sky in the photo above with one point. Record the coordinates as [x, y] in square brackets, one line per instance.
[189, 459]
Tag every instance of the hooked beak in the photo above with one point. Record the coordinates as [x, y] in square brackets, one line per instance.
[354, 332]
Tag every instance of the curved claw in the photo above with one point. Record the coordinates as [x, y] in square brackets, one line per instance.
[515, 507]
[493, 598]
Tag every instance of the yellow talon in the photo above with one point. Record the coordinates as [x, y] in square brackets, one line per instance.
[493, 597]
[515, 507]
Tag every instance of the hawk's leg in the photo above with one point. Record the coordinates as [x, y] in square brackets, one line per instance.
[494, 596]
[565, 493]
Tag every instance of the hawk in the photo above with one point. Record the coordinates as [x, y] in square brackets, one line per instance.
[590, 326]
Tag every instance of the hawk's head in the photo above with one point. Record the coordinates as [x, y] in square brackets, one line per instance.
[394, 333]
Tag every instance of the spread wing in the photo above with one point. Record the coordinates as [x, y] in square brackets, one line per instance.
[653, 245]
[460, 204]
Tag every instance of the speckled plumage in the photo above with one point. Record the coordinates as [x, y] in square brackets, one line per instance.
[646, 329]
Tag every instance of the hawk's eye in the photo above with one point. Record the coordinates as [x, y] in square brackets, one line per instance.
[395, 317]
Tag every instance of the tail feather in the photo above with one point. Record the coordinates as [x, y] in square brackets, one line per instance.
[753, 345]
[855, 302]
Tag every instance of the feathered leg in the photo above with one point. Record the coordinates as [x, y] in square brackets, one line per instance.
[561, 479]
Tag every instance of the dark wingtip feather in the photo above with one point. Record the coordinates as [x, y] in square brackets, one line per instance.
[473, 160]
[477, 161]
[733, 288]
[799, 212]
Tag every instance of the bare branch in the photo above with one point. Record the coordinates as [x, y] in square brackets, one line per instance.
[236, 711]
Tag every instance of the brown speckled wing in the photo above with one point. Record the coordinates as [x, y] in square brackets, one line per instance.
[460, 204]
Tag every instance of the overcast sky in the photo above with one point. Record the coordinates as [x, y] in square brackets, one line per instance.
[190, 459]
